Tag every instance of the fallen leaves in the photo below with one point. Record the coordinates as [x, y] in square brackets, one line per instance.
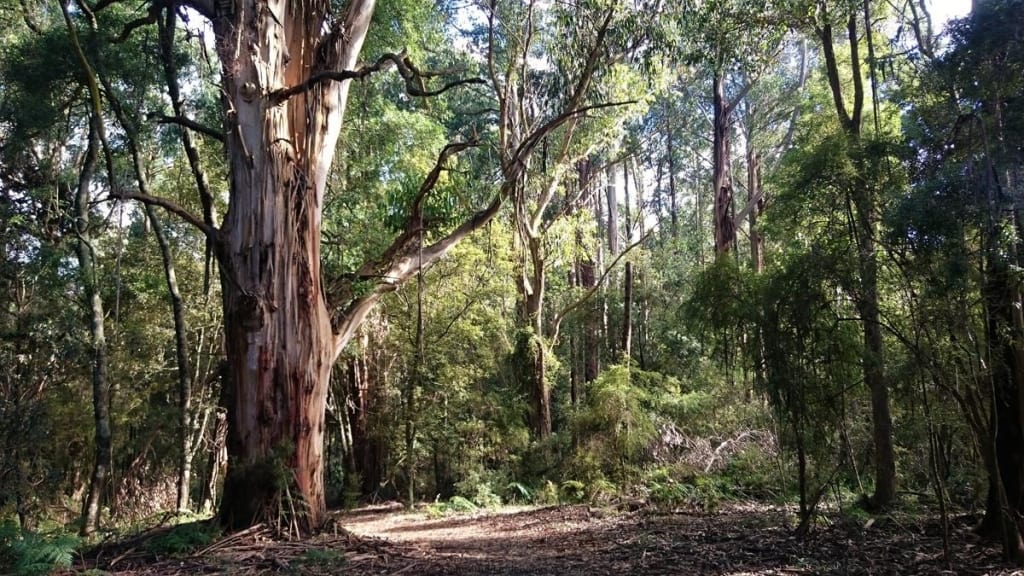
[748, 540]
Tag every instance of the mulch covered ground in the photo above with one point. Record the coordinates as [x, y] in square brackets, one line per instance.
[580, 540]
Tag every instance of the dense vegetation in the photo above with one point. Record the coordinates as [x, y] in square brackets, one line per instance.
[592, 251]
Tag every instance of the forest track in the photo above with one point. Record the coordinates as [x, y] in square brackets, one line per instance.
[740, 540]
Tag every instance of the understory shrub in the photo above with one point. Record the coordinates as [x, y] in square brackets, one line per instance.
[183, 538]
[698, 491]
[455, 505]
[25, 553]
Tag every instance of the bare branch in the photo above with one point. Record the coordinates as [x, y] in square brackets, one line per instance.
[530, 143]
[166, 27]
[190, 124]
[557, 322]
[414, 222]
[150, 18]
[413, 77]
[750, 205]
[279, 96]
[404, 268]
[404, 256]
[171, 207]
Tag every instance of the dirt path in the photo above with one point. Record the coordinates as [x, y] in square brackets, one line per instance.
[578, 540]
[583, 541]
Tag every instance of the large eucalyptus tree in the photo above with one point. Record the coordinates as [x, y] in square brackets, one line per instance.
[285, 70]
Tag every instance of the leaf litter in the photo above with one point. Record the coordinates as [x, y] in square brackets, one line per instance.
[737, 540]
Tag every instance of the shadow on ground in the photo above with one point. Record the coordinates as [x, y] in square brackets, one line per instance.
[578, 540]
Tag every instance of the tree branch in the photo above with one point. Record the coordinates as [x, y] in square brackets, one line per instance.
[414, 222]
[165, 32]
[404, 257]
[413, 77]
[170, 206]
[150, 18]
[190, 124]
[26, 15]
[832, 71]
[557, 322]
[530, 143]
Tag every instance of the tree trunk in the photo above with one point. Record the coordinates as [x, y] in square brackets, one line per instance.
[97, 338]
[613, 212]
[865, 207]
[755, 195]
[365, 378]
[627, 221]
[725, 233]
[278, 336]
[84, 251]
[415, 381]
[540, 394]
[673, 204]
[184, 369]
[1005, 330]
[627, 313]
[216, 461]
[598, 314]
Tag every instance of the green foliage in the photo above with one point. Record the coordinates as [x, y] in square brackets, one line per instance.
[320, 558]
[596, 491]
[183, 538]
[616, 425]
[455, 505]
[517, 492]
[680, 489]
[30, 554]
[479, 490]
[573, 491]
[753, 474]
[546, 494]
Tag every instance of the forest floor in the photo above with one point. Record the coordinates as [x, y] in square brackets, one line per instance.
[738, 540]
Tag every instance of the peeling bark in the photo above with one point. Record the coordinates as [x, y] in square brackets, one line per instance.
[278, 337]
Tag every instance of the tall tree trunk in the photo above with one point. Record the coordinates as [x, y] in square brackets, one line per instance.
[415, 381]
[627, 221]
[613, 212]
[216, 461]
[755, 196]
[586, 278]
[1006, 477]
[865, 218]
[670, 144]
[725, 233]
[96, 141]
[365, 383]
[278, 336]
[599, 311]
[534, 288]
[97, 338]
[185, 426]
[627, 313]
[627, 280]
